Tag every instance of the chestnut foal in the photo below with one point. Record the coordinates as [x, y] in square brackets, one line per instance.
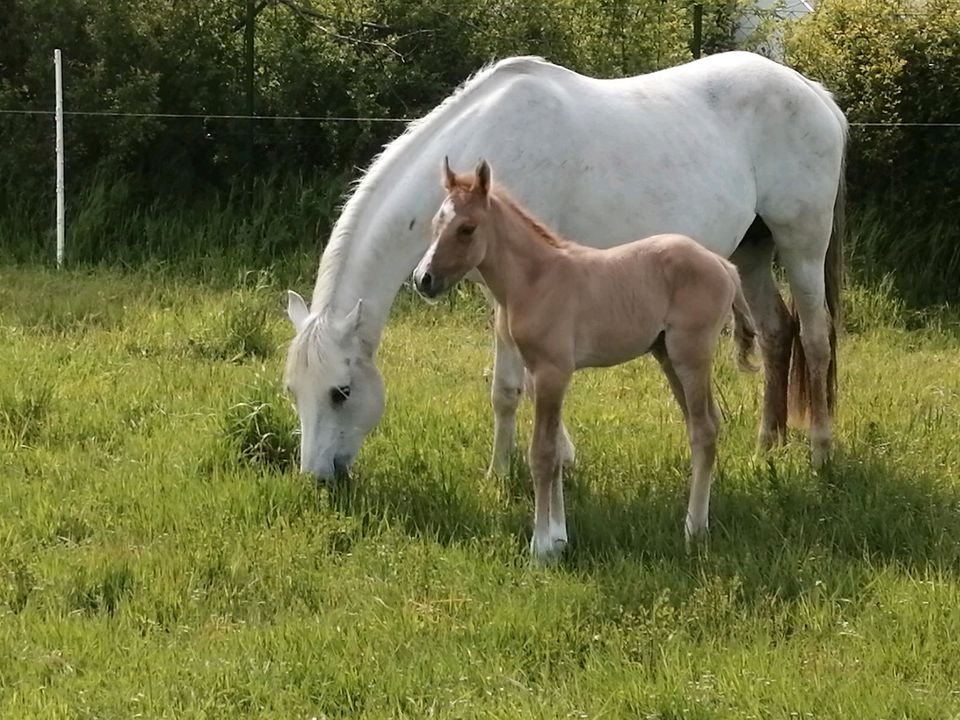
[567, 306]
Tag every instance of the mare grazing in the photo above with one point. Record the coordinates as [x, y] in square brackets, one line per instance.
[567, 306]
[734, 150]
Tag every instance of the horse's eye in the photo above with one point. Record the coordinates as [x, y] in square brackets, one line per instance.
[466, 230]
[339, 394]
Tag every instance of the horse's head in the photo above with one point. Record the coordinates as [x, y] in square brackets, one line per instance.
[460, 230]
[335, 385]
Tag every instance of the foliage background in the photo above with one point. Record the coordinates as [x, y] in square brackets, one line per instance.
[147, 188]
[897, 63]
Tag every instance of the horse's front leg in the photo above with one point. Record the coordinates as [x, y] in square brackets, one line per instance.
[505, 394]
[549, 522]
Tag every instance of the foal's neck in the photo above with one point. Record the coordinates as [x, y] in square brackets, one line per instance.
[518, 252]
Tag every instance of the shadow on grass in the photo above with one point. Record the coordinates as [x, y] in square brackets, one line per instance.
[860, 508]
[776, 525]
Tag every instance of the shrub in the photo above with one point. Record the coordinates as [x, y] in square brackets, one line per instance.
[891, 63]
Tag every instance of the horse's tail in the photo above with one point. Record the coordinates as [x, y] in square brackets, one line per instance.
[798, 397]
[744, 328]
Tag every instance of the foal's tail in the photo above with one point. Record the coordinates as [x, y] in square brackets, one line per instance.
[744, 329]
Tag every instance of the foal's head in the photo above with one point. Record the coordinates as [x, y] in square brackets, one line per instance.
[460, 231]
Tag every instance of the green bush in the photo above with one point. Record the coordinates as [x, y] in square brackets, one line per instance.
[369, 58]
[168, 187]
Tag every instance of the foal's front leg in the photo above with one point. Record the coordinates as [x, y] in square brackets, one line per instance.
[509, 381]
[549, 523]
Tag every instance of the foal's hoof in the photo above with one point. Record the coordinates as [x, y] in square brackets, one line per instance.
[695, 535]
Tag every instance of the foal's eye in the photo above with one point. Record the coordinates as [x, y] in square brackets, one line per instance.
[339, 394]
[466, 230]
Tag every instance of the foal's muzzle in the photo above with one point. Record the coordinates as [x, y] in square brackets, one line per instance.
[428, 284]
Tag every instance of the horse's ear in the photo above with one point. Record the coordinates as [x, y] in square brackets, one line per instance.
[297, 310]
[449, 177]
[481, 182]
[352, 322]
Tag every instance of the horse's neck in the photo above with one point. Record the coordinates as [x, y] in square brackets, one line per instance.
[516, 254]
[375, 246]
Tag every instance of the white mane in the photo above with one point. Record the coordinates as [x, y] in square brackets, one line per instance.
[338, 247]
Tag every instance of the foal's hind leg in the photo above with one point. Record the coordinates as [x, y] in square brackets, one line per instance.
[659, 351]
[754, 260]
[691, 354]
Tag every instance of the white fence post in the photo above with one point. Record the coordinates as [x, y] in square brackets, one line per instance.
[60, 210]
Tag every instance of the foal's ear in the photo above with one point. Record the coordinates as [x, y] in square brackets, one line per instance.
[481, 182]
[449, 177]
[297, 310]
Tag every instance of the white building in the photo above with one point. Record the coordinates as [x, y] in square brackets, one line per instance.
[772, 45]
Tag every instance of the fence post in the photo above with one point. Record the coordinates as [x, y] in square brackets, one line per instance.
[59, 114]
[696, 44]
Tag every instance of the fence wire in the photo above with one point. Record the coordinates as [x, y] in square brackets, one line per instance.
[343, 118]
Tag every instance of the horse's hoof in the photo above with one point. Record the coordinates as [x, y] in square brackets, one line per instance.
[548, 556]
[498, 470]
[820, 455]
[767, 440]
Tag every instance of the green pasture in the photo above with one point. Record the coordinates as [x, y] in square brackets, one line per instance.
[160, 557]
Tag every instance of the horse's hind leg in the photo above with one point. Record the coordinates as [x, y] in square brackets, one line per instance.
[505, 392]
[691, 354]
[805, 272]
[754, 260]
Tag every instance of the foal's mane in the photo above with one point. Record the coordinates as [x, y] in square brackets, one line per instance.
[465, 183]
[539, 229]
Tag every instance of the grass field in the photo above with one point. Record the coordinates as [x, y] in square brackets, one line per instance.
[161, 557]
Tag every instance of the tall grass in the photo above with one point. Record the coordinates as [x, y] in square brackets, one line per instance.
[274, 220]
[920, 257]
[270, 220]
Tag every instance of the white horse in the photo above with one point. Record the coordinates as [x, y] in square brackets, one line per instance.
[710, 149]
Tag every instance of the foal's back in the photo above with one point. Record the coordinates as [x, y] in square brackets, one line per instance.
[628, 295]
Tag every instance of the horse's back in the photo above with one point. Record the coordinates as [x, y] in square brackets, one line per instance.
[695, 149]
